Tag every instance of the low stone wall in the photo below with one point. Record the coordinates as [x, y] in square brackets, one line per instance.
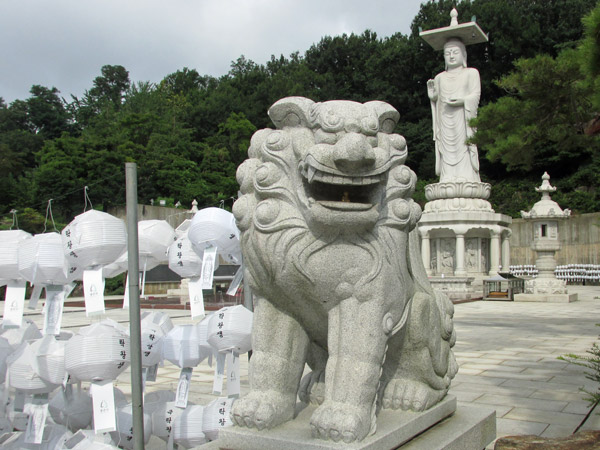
[579, 239]
[174, 216]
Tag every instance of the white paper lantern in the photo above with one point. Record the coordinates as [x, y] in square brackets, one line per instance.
[42, 260]
[113, 269]
[89, 440]
[75, 413]
[26, 332]
[216, 416]
[97, 352]
[5, 351]
[164, 415]
[9, 250]
[216, 227]
[156, 399]
[22, 371]
[186, 260]
[154, 326]
[94, 238]
[153, 319]
[50, 359]
[123, 437]
[230, 328]
[187, 428]
[181, 346]
[154, 238]
[205, 346]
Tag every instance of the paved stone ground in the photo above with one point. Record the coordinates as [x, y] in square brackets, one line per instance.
[507, 354]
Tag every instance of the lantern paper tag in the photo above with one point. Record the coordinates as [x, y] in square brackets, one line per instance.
[183, 388]
[93, 290]
[208, 267]
[126, 294]
[36, 423]
[36, 292]
[235, 283]
[19, 402]
[103, 400]
[196, 298]
[55, 299]
[151, 373]
[14, 304]
[219, 374]
[233, 375]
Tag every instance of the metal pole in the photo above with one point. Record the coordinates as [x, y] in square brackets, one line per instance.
[135, 334]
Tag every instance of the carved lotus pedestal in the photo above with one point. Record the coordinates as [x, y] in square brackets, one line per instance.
[462, 239]
[468, 428]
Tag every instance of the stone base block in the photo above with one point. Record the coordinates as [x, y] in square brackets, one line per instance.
[546, 298]
[456, 288]
[469, 428]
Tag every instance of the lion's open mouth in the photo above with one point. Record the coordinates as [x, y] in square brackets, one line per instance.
[340, 192]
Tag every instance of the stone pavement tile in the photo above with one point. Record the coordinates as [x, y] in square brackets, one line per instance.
[578, 407]
[468, 371]
[554, 431]
[465, 396]
[545, 416]
[500, 409]
[497, 390]
[543, 372]
[490, 381]
[494, 367]
[517, 376]
[466, 354]
[541, 385]
[515, 357]
[543, 363]
[549, 394]
[509, 427]
[520, 402]
[469, 360]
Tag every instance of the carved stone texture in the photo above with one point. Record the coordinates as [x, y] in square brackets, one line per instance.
[458, 190]
[331, 253]
[578, 441]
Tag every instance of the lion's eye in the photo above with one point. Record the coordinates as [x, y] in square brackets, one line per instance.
[323, 137]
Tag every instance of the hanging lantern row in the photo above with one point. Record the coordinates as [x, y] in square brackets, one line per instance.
[572, 273]
[57, 365]
[93, 247]
[579, 273]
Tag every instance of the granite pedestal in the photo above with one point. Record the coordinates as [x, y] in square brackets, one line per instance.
[441, 427]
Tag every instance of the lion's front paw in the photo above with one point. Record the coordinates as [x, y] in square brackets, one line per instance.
[410, 394]
[339, 421]
[262, 409]
[312, 387]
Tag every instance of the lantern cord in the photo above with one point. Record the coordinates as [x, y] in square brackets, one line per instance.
[15, 222]
[86, 199]
[49, 212]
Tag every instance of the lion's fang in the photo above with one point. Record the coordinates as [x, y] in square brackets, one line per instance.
[311, 173]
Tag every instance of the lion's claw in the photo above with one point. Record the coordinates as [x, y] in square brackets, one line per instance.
[339, 421]
[262, 410]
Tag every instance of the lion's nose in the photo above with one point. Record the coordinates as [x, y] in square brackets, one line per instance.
[353, 153]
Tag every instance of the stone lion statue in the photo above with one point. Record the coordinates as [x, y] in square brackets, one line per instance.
[327, 220]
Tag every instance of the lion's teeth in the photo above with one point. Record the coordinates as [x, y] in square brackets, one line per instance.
[311, 173]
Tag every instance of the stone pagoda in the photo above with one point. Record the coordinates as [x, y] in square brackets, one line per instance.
[462, 237]
[545, 217]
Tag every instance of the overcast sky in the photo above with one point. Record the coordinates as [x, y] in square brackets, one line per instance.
[64, 43]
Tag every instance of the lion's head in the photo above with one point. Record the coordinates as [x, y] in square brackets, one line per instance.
[338, 163]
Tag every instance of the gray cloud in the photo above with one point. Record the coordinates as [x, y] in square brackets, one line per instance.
[64, 43]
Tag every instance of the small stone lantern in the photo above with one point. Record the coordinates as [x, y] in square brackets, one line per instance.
[545, 217]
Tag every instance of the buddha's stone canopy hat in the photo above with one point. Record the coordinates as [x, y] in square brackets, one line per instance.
[469, 33]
